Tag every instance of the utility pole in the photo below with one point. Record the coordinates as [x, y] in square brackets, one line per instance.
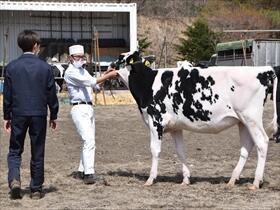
[97, 66]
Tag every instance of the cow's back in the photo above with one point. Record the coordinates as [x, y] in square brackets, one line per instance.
[209, 100]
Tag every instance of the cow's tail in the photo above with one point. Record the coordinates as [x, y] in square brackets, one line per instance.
[272, 128]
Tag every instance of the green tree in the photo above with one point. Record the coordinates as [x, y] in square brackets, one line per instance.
[198, 42]
[143, 44]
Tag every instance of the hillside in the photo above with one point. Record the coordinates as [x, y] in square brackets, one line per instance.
[161, 20]
[163, 34]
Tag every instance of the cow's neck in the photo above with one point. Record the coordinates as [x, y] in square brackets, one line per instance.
[141, 79]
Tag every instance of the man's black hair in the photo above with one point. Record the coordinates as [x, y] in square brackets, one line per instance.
[27, 39]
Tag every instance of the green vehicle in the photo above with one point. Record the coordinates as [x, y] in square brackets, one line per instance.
[250, 52]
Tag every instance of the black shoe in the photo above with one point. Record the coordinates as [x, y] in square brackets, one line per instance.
[91, 178]
[36, 195]
[15, 189]
[78, 175]
[276, 136]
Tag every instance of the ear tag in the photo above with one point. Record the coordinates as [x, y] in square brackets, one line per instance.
[131, 61]
[147, 63]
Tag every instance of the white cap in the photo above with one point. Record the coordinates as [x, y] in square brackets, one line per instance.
[54, 59]
[76, 49]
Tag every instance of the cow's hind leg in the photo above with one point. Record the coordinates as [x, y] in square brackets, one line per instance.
[260, 139]
[155, 149]
[246, 143]
[179, 144]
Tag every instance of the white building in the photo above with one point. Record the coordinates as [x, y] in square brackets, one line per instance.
[60, 24]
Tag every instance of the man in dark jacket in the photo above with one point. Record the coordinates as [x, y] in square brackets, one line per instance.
[29, 89]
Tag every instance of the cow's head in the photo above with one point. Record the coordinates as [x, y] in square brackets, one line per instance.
[128, 58]
[124, 62]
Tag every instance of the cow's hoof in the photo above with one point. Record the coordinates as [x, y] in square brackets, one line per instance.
[149, 182]
[186, 181]
[185, 184]
[230, 185]
[253, 187]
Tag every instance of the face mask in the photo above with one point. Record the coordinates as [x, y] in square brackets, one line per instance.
[79, 64]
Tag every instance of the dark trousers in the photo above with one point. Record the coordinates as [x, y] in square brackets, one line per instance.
[36, 126]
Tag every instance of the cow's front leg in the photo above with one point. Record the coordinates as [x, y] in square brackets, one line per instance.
[179, 144]
[155, 149]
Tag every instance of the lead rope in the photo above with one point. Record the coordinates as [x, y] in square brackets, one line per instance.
[110, 89]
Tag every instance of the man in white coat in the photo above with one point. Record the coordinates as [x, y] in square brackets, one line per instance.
[80, 86]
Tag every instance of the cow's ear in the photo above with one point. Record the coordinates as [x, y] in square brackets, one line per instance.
[134, 57]
[136, 54]
[130, 59]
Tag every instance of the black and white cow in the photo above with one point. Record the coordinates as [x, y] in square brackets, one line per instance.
[201, 100]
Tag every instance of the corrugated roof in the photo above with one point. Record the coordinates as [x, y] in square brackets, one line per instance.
[67, 6]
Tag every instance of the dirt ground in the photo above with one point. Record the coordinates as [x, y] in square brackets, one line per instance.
[123, 158]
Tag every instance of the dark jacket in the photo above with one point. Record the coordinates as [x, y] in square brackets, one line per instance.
[29, 88]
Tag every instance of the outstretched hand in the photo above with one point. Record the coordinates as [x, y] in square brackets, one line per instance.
[112, 74]
[109, 74]
[109, 69]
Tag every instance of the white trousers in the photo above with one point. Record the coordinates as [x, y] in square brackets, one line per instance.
[84, 120]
